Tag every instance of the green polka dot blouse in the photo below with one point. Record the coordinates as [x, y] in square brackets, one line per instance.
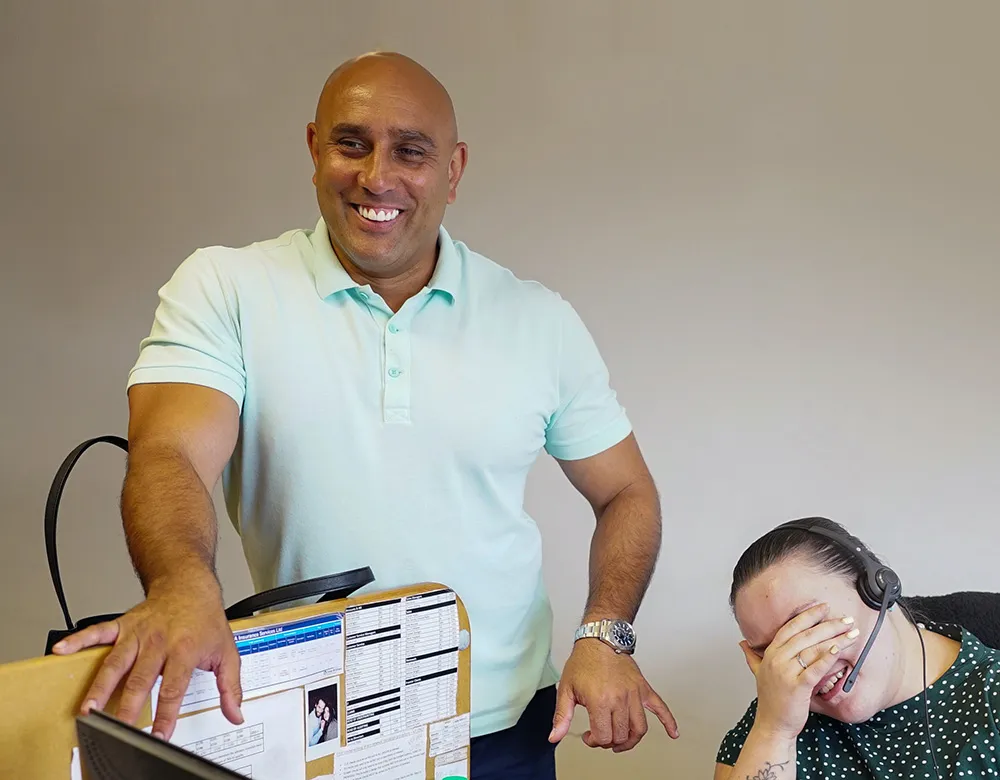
[965, 728]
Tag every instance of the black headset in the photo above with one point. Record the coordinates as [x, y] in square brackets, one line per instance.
[879, 584]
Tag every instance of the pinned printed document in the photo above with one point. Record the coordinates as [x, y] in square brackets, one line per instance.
[273, 658]
[401, 664]
[449, 735]
[394, 758]
[269, 745]
[452, 766]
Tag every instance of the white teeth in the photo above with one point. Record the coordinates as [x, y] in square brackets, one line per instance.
[378, 215]
[833, 683]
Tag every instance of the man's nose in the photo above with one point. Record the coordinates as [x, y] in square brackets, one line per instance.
[376, 173]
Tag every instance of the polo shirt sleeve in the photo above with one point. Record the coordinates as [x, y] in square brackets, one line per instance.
[195, 337]
[588, 418]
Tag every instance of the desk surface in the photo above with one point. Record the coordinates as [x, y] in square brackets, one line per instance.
[396, 663]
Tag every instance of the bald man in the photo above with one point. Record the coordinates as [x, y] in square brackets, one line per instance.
[373, 392]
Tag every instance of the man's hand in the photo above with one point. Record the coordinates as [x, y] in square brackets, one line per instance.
[615, 694]
[180, 626]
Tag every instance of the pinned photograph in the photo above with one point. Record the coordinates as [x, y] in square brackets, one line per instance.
[322, 718]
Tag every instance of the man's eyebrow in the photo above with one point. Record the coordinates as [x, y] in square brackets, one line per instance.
[415, 135]
[401, 134]
[346, 128]
[759, 649]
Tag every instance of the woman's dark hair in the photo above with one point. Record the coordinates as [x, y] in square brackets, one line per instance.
[781, 543]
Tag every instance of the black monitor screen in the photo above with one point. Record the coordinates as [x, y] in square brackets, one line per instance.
[113, 750]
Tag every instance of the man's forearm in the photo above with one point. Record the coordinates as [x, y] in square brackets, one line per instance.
[168, 516]
[623, 553]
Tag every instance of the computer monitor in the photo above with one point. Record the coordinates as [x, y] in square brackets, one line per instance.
[113, 750]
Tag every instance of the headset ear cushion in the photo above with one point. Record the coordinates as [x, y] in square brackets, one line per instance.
[875, 582]
[869, 588]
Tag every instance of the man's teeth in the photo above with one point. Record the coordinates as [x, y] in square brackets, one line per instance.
[833, 683]
[378, 215]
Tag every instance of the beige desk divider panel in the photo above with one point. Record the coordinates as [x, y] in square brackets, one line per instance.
[397, 661]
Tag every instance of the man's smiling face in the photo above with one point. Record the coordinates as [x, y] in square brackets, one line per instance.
[387, 163]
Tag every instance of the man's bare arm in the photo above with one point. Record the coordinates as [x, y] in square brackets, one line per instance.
[180, 438]
[626, 541]
[623, 552]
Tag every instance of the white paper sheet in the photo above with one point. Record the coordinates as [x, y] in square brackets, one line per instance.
[273, 658]
[430, 631]
[449, 735]
[75, 770]
[374, 667]
[454, 764]
[403, 757]
[270, 745]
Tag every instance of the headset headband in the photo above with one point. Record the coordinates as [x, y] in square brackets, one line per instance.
[878, 580]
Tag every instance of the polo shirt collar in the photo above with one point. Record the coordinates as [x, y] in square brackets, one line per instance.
[331, 277]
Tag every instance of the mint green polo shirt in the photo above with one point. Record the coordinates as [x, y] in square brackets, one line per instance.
[397, 441]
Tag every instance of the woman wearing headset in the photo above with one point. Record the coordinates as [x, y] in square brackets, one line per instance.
[847, 685]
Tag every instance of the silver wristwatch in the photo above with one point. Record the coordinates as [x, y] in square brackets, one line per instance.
[619, 634]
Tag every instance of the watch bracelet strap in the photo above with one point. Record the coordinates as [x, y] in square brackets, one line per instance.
[590, 630]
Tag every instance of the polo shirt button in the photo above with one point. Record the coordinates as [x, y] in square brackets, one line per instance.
[394, 372]
[393, 328]
[364, 295]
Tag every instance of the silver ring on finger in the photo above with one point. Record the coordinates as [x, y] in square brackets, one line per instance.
[803, 664]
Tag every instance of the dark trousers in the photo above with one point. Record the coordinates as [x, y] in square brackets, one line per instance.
[522, 752]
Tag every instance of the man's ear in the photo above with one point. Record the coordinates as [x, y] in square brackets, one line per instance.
[312, 133]
[456, 167]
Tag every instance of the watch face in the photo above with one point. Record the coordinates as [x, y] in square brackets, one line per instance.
[622, 633]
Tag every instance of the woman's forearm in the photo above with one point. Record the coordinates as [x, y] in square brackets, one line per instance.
[765, 757]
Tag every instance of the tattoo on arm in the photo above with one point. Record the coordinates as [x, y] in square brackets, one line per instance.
[768, 773]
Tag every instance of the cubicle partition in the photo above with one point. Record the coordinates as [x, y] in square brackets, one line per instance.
[369, 686]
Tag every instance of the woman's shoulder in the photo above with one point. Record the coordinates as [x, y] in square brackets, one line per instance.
[818, 727]
[732, 742]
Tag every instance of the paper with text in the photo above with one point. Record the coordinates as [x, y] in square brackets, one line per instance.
[269, 745]
[449, 735]
[273, 658]
[454, 764]
[401, 664]
[394, 758]
[431, 633]
[373, 638]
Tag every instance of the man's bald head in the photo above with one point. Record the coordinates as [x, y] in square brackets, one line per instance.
[363, 75]
[387, 164]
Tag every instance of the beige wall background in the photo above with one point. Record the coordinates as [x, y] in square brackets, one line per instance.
[780, 221]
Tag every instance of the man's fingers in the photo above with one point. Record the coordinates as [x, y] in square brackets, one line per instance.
[145, 669]
[637, 725]
[99, 634]
[621, 720]
[176, 677]
[114, 667]
[565, 703]
[658, 707]
[227, 679]
[601, 732]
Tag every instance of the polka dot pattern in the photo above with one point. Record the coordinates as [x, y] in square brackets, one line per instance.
[965, 728]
